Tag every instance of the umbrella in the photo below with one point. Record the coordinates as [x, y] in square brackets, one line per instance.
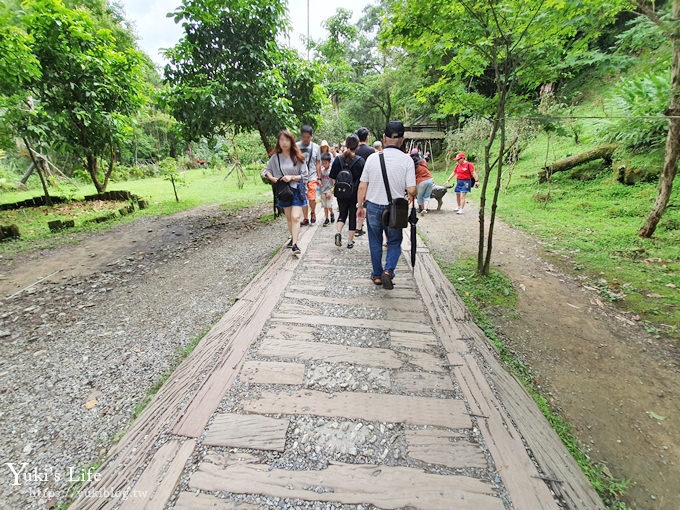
[413, 219]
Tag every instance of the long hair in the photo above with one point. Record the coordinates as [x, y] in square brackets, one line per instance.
[352, 142]
[295, 152]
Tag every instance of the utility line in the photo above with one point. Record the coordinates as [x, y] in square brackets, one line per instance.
[577, 117]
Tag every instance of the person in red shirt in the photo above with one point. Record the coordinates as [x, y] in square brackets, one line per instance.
[464, 173]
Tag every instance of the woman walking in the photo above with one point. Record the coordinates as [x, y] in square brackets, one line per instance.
[288, 165]
[464, 173]
[346, 172]
[424, 181]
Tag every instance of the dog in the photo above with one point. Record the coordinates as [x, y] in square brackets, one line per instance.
[438, 193]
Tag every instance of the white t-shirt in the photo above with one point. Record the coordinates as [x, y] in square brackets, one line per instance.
[313, 158]
[401, 174]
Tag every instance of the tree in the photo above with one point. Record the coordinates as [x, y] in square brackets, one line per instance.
[672, 155]
[229, 71]
[509, 48]
[89, 86]
[19, 67]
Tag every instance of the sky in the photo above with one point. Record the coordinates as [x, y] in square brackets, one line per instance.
[155, 31]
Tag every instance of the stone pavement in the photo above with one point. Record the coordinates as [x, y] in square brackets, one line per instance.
[320, 390]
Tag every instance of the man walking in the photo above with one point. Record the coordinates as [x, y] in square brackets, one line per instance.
[364, 150]
[312, 154]
[402, 179]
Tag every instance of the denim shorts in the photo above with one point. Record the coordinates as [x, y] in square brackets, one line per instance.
[463, 185]
[298, 198]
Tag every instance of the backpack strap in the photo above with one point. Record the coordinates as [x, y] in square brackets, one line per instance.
[384, 174]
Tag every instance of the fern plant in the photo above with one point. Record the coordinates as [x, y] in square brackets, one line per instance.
[638, 99]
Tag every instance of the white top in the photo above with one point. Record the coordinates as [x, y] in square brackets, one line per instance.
[312, 159]
[287, 168]
[401, 174]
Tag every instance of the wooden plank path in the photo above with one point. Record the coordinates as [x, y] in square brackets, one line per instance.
[318, 387]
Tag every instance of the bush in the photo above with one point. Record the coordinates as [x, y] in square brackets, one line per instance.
[641, 34]
[645, 95]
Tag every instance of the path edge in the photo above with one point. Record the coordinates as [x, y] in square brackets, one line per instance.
[554, 460]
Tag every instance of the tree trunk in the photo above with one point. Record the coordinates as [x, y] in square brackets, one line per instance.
[502, 97]
[602, 152]
[482, 196]
[111, 165]
[48, 200]
[92, 170]
[670, 165]
[264, 139]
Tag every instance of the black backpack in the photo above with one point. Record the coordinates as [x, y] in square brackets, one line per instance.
[344, 183]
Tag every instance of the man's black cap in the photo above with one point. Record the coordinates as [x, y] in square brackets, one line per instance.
[394, 129]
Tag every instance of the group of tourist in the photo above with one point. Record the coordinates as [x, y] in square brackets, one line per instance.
[353, 174]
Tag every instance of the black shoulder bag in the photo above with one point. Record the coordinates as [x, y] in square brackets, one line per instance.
[282, 190]
[396, 216]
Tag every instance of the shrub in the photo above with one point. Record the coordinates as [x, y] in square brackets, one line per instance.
[644, 95]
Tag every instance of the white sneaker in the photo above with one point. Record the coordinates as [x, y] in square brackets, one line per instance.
[459, 211]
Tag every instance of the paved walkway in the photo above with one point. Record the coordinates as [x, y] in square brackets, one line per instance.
[320, 390]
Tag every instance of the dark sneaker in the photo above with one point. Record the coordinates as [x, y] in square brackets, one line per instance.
[296, 250]
[313, 219]
[332, 218]
[359, 232]
[387, 281]
[338, 239]
[290, 244]
[304, 223]
[350, 245]
[326, 223]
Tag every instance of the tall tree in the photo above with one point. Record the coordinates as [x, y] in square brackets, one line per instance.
[509, 47]
[18, 69]
[672, 155]
[88, 87]
[229, 71]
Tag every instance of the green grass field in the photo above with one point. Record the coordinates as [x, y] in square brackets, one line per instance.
[591, 225]
[203, 187]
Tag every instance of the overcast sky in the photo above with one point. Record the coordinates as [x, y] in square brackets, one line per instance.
[155, 31]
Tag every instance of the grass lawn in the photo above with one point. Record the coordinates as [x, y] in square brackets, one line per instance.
[203, 187]
[591, 225]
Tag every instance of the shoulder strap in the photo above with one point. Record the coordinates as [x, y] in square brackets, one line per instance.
[384, 174]
[311, 150]
[279, 160]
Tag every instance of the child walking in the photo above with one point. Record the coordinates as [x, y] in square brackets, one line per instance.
[327, 188]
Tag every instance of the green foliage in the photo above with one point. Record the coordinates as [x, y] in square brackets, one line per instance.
[74, 84]
[641, 34]
[170, 172]
[635, 97]
[229, 70]
[525, 40]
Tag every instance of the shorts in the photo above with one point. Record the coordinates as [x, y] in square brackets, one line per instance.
[299, 199]
[326, 203]
[463, 185]
[311, 190]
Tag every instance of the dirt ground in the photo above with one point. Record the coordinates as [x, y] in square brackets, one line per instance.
[600, 370]
[81, 349]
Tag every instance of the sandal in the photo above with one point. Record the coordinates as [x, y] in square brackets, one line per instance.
[387, 280]
[377, 280]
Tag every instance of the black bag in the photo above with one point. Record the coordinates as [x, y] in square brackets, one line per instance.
[396, 216]
[282, 190]
[472, 178]
[344, 182]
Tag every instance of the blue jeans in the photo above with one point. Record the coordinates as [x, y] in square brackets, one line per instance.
[424, 191]
[375, 240]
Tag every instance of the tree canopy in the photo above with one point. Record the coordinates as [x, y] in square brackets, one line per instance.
[229, 70]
